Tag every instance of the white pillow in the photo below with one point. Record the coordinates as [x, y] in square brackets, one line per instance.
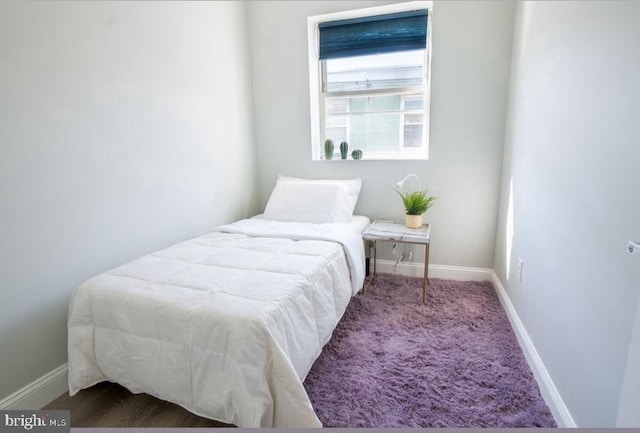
[308, 202]
[352, 186]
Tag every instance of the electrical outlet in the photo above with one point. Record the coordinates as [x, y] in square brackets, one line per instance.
[519, 270]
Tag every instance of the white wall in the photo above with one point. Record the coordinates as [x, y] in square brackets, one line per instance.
[124, 128]
[628, 413]
[470, 69]
[571, 156]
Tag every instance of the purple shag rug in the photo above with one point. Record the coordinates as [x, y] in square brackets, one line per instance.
[453, 361]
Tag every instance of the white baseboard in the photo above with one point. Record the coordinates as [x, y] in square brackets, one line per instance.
[38, 393]
[412, 269]
[548, 389]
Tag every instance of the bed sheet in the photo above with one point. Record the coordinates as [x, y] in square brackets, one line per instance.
[227, 324]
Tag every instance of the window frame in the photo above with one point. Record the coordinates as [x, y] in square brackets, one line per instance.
[318, 75]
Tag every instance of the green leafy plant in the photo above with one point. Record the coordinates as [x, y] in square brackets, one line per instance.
[416, 202]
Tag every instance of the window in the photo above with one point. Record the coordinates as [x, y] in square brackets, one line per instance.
[369, 80]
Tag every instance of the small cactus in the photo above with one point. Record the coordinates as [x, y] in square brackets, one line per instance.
[356, 154]
[344, 148]
[328, 149]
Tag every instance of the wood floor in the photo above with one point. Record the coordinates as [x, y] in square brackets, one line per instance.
[110, 405]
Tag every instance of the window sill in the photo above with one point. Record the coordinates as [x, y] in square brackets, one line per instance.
[380, 157]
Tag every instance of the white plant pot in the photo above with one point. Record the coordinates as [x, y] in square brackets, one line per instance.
[413, 221]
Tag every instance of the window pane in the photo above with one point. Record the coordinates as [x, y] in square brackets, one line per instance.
[412, 119]
[380, 71]
[374, 103]
[335, 105]
[338, 135]
[374, 131]
[337, 120]
[413, 103]
[412, 135]
[376, 123]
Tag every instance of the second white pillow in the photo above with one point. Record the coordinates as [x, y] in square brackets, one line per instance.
[352, 186]
[308, 202]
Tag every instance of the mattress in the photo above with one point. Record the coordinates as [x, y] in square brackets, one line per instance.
[227, 324]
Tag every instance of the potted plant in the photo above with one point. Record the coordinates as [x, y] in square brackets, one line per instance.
[416, 203]
[328, 149]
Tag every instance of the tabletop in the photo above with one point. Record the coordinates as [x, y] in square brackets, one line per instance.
[396, 231]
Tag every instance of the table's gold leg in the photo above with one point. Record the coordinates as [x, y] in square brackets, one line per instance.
[426, 272]
[372, 277]
[375, 253]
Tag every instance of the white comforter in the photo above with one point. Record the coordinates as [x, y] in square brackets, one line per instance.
[226, 325]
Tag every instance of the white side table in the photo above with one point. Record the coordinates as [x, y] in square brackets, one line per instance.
[394, 231]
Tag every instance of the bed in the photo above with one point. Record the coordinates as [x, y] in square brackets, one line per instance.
[228, 324]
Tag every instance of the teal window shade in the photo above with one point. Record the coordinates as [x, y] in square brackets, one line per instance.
[378, 34]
